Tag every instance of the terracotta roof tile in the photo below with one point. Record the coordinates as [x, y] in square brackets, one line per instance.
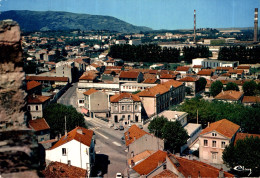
[90, 75]
[150, 76]
[251, 99]
[43, 78]
[224, 127]
[39, 124]
[32, 84]
[224, 68]
[150, 80]
[127, 74]
[153, 71]
[166, 174]
[141, 156]
[229, 95]
[34, 99]
[197, 66]
[114, 67]
[205, 72]
[90, 91]
[85, 138]
[182, 68]
[235, 71]
[242, 136]
[133, 134]
[150, 163]
[167, 76]
[57, 170]
[188, 79]
[118, 97]
[243, 67]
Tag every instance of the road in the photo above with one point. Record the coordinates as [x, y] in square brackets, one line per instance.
[110, 150]
[70, 96]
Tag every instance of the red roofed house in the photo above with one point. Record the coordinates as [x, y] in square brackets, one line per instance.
[42, 130]
[191, 83]
[184, 70]
[138, 141]
[214, 138]
[166, 77]
[77, 148]
[245, 68]
[206, 73]
[127, 76]
[236, 73]
[36, 105]
[34, 87]
[126, 108]
[197, 68]
[249, 100]
[230, 96]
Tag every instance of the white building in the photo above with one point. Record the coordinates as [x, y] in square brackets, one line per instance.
[77, 148]
[135, 42]
[175, 116]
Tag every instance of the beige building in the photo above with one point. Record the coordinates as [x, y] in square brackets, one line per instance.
[36, 104]
[126, 108]
[214, 139]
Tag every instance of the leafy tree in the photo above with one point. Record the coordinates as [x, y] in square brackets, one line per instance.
[201, 84]
[246, 153]
[174, 135]
[135, 92]
[249, 88]
[215, 88]
[55, 114]
[232, 86]
[156, 126]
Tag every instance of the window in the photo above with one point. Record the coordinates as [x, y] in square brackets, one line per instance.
[29, 108]
[214, 155]
[81, 101]
[214, 134]
[205, 142]
[87, 151]
[214, 143]
[36, 108]
[64, 152]
[223, 144]
[123, 108]
[135, 107]
[128, 107]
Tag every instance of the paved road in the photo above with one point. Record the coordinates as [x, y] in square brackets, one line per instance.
[70, 96]
[110, 150]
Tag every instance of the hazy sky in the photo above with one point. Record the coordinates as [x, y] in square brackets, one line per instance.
[157, 14]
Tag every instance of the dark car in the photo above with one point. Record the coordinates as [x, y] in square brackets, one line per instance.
[121, 127]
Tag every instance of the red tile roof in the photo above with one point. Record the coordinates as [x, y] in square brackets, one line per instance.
[224, 68]
[133, 134]
[153, 71]
[43, 78]
[90, 91]
[150, 80]
[150, 76]
[150, 163]
[243, 67]
[32, 84]
[251, 99]
[141, 156]
[118, 97]
[182, 68]
[229, 95]
[39, 124]
[197, 66]
[234, 71]
[88, 76]
[166, 174]
[194, 168]
[167, 76]
[114, 67]
[188, 79]
[57, 170]
[224, 127]
[242, 136]
[37, 99]
[126, 74]
[205, 72]
[85, 138]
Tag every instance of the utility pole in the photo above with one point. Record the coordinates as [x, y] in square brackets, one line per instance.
[65, 127]
[197, 116]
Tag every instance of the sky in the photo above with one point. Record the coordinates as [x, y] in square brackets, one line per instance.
[156, 14]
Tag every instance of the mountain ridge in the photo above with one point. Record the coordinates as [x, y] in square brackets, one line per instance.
[61, 20]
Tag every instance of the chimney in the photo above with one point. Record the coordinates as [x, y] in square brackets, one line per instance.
[176, 116]
[256, 25]
[208, 124]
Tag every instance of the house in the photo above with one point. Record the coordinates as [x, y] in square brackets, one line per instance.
[57, 169]
[33, 87]
[214, 138]
[175, 116]
[206, 73]
[211, 63]
[183, 70]
[192, 83]
[134, 87]
[230, 96]
[36, 104]
[249, 100]
[77, 148]
[223, 70]
[197, 68]
[45, 80]
[110, 62]
[158, 98]
[166, 77]
[126, 108]
[127, 76]
[96, 103]
[245, 68]
[135, 42]
[88, 77]
[151, 81]
[236, 73]
[66, 69]
[42, 130]
[137, 141]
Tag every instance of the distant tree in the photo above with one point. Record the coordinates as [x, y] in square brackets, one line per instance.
[215, 88]
[64, 52]
[135, 92]
[55, 117]
[231, 86]
[246, 153]
[156, 126]
[201, 84]
[174, 135]
[250, 88]
[30, 67]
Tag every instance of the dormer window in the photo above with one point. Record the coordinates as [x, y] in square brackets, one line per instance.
[214, 134]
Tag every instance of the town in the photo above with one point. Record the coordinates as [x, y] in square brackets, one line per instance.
[181, 103]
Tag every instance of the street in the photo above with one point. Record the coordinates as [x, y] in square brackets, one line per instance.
[70, 96]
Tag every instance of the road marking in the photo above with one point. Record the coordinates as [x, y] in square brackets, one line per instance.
[94, 128]
[117, 144]
[102, 135]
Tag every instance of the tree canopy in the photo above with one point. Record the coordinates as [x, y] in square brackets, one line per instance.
[232, 86]
[55, 114]
[246, 153]
[201, 84]
[215, 88]
[249, 88]
[156, 126]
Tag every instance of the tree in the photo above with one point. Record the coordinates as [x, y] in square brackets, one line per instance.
[156, 126]
[174, 135]
[232, 86]
[246, 153]
[215, 88]
[201, 84]
[55, 114]
[250, 88]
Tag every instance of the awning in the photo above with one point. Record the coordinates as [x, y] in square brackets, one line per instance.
[84, 111]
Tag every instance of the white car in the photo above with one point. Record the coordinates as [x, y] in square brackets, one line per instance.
[119, 175]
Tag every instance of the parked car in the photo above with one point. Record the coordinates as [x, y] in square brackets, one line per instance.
[119, 175]
[115, 127]
[123, 139]
[121, 127]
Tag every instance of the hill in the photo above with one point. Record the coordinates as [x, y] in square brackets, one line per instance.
[56, 20]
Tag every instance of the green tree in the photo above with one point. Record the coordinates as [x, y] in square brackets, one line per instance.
[55, 114]
[174, 135]
[215, 88]
[156, 126]
[246, 153]
[201, 84]
[232, 86]
[250, 88]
